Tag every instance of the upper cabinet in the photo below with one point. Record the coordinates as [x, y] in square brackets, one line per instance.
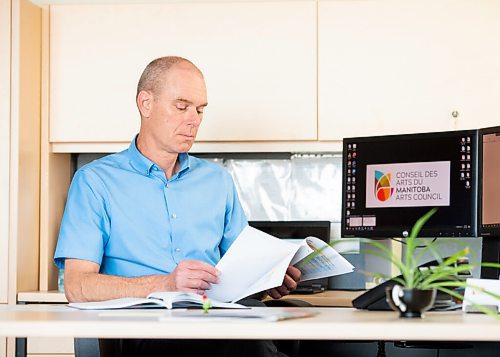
[259, 61]
[388, 66]
[280, 72]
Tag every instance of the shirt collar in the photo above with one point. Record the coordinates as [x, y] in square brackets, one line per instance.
[144, 166]
[184, 163]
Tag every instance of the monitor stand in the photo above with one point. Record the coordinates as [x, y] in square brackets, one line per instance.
[491, 254]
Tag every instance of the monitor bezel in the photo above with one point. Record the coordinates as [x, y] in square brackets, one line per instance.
[302, 229]
[482, 231]
[426, 232]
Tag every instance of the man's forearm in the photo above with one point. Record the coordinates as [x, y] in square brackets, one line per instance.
[97, 287]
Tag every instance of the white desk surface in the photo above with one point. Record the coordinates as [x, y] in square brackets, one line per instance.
[330, 324]
[329, 298]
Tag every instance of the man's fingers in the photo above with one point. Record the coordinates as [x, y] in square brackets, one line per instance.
[198, 284]
[199, 265]
[274, 293]
[294, 273]
[289, 283]
[196, 291]
[201, 275]
[194, 276]
[283, 290]
[197, 269]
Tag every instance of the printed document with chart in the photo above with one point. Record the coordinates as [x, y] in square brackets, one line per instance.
[257, 261]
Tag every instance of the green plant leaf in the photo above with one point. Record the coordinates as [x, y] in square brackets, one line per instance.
[417, 227]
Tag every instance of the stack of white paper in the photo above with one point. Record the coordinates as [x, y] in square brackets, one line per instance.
[476, 293]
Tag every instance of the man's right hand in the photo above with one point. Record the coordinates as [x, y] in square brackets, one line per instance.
[193, 276]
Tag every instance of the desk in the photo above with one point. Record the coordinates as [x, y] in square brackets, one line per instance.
[337, 298]
[329, 298]
[329, 324]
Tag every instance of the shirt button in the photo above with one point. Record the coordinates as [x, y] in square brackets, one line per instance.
[177, 250]
[174, 216]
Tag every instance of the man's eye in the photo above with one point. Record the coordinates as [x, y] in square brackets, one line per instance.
[181, 107]
[200, 111]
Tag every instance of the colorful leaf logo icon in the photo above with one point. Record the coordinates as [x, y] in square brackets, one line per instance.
[383, 189]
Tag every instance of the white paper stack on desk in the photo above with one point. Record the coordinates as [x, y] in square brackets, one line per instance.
[475, 294]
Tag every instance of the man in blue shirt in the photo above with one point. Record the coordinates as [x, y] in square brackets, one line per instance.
[152, 217]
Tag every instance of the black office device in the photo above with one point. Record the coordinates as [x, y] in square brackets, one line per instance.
[298, 230]
[375, 298]
[489, 198]
[391, 181]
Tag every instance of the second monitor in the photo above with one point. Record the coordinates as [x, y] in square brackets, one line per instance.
[391, 181]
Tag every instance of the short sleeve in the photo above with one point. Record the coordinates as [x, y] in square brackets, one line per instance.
[235, 220]
[85, 225]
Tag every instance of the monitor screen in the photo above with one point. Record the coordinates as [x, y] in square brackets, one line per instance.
[489, 187]
[391, 181]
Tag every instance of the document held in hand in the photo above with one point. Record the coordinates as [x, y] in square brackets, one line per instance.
[257, 261]
[166, 299]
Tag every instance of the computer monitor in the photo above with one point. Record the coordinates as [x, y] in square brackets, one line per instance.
[489, 198]
[489, 178]
[391, 181]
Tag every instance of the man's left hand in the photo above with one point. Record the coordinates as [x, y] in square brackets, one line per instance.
[290, 281]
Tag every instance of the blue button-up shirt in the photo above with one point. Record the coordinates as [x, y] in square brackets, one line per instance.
[123, 214]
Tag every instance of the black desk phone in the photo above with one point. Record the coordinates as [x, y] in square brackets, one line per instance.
[374, 299]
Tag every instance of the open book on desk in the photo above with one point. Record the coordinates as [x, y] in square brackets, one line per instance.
[257, 261]
[165, 299]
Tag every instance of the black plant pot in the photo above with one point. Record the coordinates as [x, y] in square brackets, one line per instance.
[409, 302]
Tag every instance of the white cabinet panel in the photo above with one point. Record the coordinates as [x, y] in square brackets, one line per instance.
[50, 345]
[3, 346]
[390, 66]
[259, 60]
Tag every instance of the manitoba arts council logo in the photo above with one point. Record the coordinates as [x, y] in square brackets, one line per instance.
[383, 189]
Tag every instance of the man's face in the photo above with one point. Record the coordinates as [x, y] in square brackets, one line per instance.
[177, 111]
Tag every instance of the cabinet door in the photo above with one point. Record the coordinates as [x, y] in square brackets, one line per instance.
[50, 346]
[477, 52]
[392, 66]
[259, 61]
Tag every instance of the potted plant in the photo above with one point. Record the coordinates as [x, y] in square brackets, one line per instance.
[415, 289]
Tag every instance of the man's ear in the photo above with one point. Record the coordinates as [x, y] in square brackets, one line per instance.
[144, 103]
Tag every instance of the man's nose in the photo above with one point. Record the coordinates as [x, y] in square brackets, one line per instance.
[194, 118]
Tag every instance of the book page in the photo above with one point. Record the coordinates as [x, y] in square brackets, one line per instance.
[326, 262]
[271, 278]
[177, 299]
[159, 299]
[121, 303]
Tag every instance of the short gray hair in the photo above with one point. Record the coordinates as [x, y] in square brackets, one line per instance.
[153, 75]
